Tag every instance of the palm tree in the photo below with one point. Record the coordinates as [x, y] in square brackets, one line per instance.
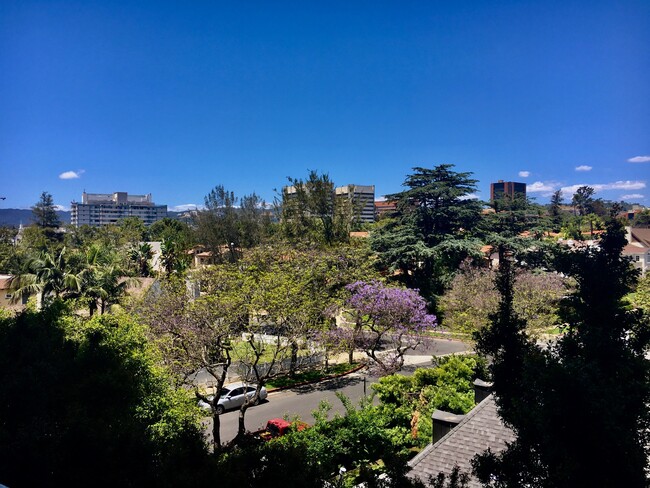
[172, 257]
[104, 287]
[141, 254]
[102, 283]
[49, 274]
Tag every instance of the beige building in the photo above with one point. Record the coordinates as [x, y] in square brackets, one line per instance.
[638, 247]
[6, 294]
[98, 209]
[361, 199]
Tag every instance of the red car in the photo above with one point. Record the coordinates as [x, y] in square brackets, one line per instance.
[278, 427]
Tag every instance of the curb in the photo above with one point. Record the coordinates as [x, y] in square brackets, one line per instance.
[325, 378]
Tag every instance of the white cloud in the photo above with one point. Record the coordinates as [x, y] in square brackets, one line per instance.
[71, 175]
[61, 208]
[583, 167]
[639, 159]
[471, 196]
[617, 185]
[524, 174]
[633, 196]
[541, 187]
[186, 207]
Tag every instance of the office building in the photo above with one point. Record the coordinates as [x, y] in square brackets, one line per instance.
[97, 209]
[509, 188]
[361, 199]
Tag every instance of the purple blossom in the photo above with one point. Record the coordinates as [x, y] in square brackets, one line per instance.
[388, 318]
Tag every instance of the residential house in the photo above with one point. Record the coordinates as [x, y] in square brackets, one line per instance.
[638, 247]
[7, 294]
[458, 438]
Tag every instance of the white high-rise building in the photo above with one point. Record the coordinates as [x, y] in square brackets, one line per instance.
[97, 209]
[361, 199]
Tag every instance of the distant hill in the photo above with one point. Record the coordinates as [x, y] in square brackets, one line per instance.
[13, 217]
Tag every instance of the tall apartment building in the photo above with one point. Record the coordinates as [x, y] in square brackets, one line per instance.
[509, 188]
[97, 209]
[361, 199]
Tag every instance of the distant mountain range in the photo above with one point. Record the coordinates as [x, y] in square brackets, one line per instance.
[13, 217]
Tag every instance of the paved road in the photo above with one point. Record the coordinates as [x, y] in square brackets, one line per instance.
[302, 401]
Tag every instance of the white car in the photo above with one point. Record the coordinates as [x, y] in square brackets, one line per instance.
[234, 396]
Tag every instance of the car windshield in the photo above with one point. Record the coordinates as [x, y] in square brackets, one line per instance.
[224, 392]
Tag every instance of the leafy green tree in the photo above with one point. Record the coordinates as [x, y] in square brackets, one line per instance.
[170, 229]
[87, 403]
[429, 237]
[439, 202]
[10, 257]
[412, 399]
[597, 370]
[555, 210]
[583, 200]
[642, 219]
[132, 229]
[310, 212]
[225, 228]
[80, 237]
[44, 212]
[194, 335]
[467, 305]
[640, 298]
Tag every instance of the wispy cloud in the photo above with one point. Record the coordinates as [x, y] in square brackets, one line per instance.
[639, 159]
[471, 196]
[524, 174]
[61, 208]
[617, 185]
[583, 167]
[186, 207]
[71, 175]
[633, 196]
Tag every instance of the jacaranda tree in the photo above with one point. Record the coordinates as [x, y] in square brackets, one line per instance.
[390, 318]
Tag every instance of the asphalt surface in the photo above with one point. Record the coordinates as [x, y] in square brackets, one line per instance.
[300, 402]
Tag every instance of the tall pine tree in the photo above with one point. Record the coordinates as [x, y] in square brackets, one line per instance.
[579, 407]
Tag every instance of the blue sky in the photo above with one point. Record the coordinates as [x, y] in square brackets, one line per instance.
[173, 98]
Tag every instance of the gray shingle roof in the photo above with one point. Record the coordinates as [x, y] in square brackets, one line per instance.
[481, 428]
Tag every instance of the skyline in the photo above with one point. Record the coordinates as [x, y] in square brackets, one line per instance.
[156, 98]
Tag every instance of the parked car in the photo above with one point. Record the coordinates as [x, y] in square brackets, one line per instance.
[234, 396]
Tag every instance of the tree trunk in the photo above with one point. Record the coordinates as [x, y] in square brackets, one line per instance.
[216, 431]
[241, 426]
[294, 359]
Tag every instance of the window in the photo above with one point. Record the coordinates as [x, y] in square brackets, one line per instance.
[237, 391]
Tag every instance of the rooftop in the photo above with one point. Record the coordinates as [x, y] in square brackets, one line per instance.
[482, 428]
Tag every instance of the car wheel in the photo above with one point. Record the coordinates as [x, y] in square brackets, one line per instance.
[257, 401]
[220, 409]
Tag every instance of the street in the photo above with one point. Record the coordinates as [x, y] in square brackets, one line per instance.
[299, 402]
